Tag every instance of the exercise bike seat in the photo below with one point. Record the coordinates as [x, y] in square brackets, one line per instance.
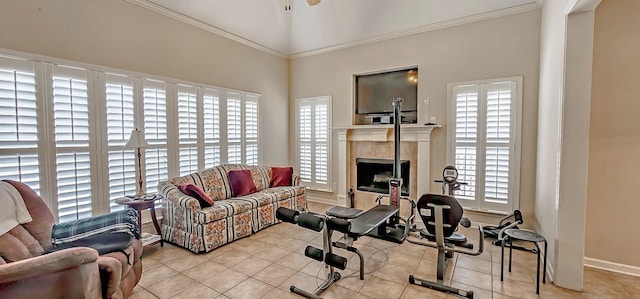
[455, 238]
[452, 213]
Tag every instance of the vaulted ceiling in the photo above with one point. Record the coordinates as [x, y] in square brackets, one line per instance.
[331, 24]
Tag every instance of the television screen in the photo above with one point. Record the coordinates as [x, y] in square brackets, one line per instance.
[374, 92]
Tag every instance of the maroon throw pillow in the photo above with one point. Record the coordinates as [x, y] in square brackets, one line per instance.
[241, 183]
[197, 193]
[281, 176]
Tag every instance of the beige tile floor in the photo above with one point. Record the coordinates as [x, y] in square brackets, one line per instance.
[267, 263]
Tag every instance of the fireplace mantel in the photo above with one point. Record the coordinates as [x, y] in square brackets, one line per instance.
[382, 133]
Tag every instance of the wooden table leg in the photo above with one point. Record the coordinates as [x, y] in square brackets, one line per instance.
[155, 223]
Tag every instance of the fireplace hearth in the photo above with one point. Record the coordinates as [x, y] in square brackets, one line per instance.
[373, 175]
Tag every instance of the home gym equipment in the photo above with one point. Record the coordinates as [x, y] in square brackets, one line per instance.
[393, 230]
[316, 223]
[441, 215]
[361, 224]
[497, 232]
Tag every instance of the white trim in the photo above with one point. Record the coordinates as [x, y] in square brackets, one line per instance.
[611, 266]
[204, 26]
[422, 29]
[321, 200]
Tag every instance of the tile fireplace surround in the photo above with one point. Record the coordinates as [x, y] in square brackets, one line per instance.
[376, 141]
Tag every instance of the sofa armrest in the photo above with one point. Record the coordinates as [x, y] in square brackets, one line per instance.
[111, 269]
[173, 194]
[295, 180]
[47, 263]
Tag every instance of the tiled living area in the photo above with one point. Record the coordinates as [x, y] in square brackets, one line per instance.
[267, 263]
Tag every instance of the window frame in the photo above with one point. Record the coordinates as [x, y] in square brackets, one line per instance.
[328, 187]
[515, 143]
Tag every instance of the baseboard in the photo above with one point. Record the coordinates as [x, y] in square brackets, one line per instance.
[321, 200]
[611, 266]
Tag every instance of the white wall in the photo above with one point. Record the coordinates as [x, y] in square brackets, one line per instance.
[121, 35]
[563, 135]
[501, 47]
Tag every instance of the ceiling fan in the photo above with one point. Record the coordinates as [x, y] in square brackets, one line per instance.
[287, 3]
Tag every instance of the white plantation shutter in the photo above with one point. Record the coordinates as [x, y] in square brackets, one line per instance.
[155, 132]
[305, 142]
[187, 129]
[120, 123]
[466, 136]
[321, 135]
[18, 122]
[484, 145]
[251, 130]
[497, 142]
[313, 121]
[71, 132]
[234, 128]
[211, 109]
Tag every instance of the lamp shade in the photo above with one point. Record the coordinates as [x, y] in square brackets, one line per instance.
[136, 140]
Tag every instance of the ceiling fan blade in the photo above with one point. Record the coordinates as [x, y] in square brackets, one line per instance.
[313, 2]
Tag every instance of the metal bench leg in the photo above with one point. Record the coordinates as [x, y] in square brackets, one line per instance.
[504, 240]
[537, 269]
[544, 271]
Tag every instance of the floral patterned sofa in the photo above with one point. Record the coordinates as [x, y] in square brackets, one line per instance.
[199, 229]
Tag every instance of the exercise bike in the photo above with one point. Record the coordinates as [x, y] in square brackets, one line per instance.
[441, 215]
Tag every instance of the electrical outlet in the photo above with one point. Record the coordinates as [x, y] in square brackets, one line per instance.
[335, 185]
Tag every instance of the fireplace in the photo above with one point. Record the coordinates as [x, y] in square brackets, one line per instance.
[373, 175]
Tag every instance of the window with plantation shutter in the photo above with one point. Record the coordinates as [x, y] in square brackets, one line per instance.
[18, 122]
[155, 132]
[484, 117]
[70, 93]
[120, 123]
[313, 120]
[251, 130]
[211, 109]
[187, 129]
[234, 128]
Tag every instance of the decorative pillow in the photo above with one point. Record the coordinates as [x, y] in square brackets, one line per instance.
[241, 183]
[197, 193]
[281, 176]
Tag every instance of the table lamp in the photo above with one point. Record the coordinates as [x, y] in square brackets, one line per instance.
[137, 141]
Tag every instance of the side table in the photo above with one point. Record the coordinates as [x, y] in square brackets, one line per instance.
[140, 204]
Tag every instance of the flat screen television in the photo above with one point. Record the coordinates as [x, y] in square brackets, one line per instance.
[375, 91]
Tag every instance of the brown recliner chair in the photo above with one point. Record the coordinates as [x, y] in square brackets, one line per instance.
[30, 266]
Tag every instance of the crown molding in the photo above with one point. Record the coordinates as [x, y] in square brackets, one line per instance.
[204, 26]
[425, 28]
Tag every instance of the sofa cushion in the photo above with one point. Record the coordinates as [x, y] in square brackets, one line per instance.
[282, 193]
[241, 183]
[222, 209]
[281, 176]
[259, 199]
[197, 193]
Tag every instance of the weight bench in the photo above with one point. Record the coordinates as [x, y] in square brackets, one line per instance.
[360, 223]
